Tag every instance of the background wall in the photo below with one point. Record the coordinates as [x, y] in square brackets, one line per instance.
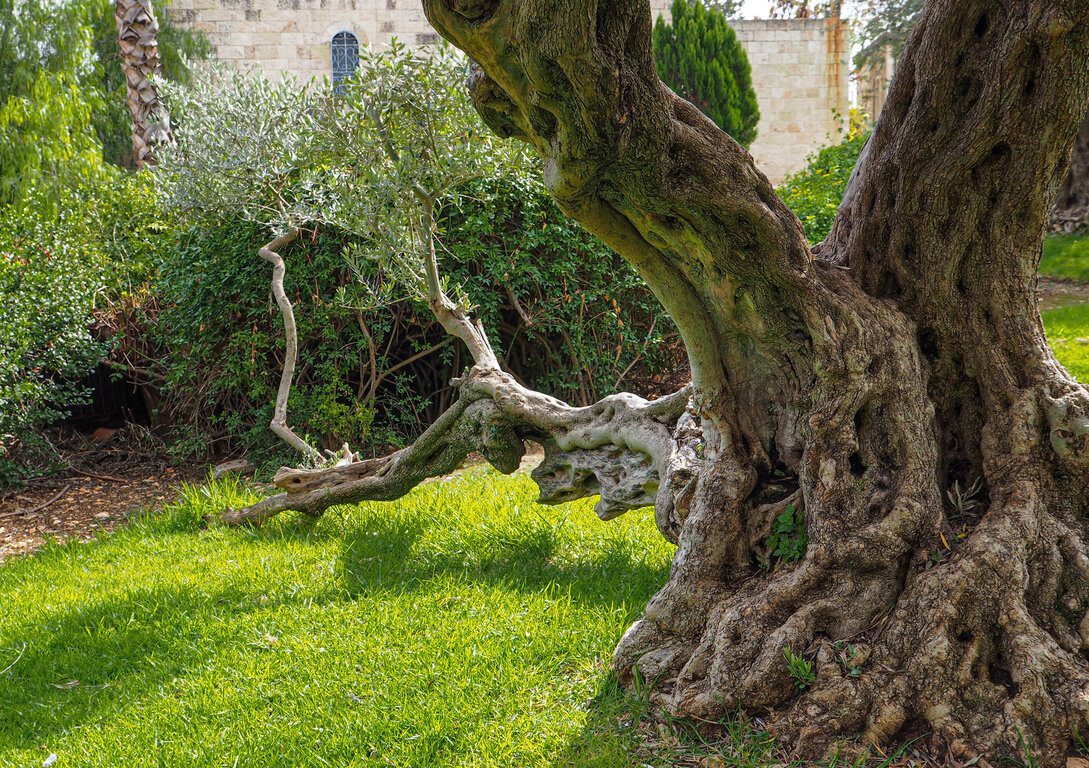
[800, 67]
[800, 70]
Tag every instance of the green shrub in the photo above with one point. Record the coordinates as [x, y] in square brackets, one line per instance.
[215, 339]
[63, 117]
[48, 288]
[395, 167]
[814, 193]
[699, 57]
[592, 317]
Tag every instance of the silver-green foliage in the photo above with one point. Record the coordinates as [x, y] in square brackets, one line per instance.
[374, 161]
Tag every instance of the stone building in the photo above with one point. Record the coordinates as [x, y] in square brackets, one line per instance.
[799, 66]
[873, 83]
[800, 70]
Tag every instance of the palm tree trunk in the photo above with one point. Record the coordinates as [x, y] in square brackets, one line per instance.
[137, 36]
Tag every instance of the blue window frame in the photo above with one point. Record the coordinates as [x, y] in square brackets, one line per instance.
[345, 53]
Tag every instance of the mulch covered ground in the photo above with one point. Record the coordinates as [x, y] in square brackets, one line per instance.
[106, 481]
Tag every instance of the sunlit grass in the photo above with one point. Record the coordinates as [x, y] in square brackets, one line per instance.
[464, 625]
[1068, 332]
[1066, 257]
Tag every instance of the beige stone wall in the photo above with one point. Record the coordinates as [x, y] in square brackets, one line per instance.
[800, 71]
[799, 66]
[873, 83]
[292, 36]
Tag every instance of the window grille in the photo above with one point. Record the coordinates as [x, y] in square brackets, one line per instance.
[345, 52]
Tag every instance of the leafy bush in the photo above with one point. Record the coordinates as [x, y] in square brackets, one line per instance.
[48, 288]
[699, 57]
[814, 193]
[583, 318]
[214, 341]
[63, 117]
[255, 158]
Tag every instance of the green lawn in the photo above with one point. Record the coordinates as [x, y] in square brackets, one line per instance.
[461, 626]
[1066, 257]
[1065, 326]
[465, 625]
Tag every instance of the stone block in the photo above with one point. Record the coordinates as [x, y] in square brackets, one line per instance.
[230, 52]
[218, 15]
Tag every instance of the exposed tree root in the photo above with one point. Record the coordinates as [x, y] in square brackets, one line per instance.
[983, 653]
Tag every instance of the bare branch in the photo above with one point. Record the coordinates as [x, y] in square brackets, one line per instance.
[450, 315]
[618, 448]
[279, 417]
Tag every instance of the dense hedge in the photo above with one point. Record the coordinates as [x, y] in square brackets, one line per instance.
[210, 339]
[48, 288]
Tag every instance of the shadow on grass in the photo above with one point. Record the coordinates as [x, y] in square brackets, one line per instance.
[81, 665]
[130, 646]
[384, 556]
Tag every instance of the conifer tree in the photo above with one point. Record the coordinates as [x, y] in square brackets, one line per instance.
[699, 57]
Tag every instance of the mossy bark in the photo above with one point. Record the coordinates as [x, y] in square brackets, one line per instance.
[860, 380]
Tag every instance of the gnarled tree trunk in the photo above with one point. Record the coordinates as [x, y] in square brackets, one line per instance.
[860, 382]
[137, 36]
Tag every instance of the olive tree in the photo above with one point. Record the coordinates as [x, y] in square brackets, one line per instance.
[893, 384]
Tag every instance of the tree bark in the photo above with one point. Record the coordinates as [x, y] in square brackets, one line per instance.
[907, 359]
[1071, 211]
[137, 36]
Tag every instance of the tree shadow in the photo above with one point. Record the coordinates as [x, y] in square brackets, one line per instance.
[123, 646]
[384, 556]
[81, 665]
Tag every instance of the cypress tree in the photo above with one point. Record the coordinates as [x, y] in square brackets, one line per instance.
[699, 57]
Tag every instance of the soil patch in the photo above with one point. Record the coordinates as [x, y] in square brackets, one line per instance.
[71, 506]
[106, 477]
[1060, 293]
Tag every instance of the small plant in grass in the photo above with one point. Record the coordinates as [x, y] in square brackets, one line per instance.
[196, 503]
[801, 670]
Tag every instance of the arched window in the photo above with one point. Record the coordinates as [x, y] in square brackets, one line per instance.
[345, 51]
